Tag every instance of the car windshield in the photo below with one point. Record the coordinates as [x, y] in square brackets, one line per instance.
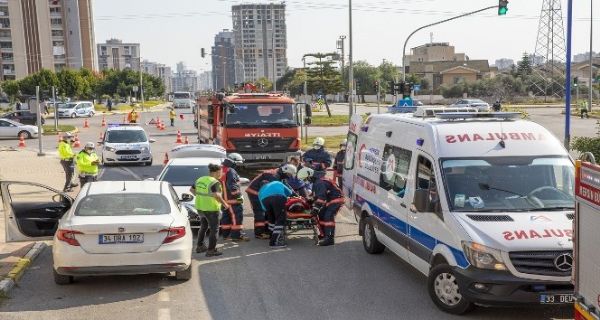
[509, 184]
[129, 204]
[181, 95]
[126, 136]
[180, 176]
[260, 114]
[67, 105]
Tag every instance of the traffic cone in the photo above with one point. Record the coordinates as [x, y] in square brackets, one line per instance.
[86, 124]
[157, 123]
[103, 124]
[101, 138]
[166, 160]
[181, 116]
[162, 126]
[179, 137]
[186, 141]
[76, 143]
[21, 141]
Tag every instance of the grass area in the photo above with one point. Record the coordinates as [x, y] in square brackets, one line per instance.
[334, 120]
[49, 129]
[332, 143]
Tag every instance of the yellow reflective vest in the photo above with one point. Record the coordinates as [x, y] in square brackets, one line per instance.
[84, 163]
[204, 199]
[64, 151]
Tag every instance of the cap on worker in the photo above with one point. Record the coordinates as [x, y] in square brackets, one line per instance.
[235, 158]
[319, 141]
[90, 145]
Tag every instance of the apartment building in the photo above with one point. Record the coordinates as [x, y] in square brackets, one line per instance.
[184, 79]
[159, 70]
[224, 61]
[260, 40]
[115, 54]
[45, 34]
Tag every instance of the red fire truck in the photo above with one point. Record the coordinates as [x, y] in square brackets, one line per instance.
[263, 127]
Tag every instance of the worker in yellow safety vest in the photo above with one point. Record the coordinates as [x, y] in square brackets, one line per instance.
[65, 152]
[87, 164]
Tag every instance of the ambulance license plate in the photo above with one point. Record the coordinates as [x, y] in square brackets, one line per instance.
[556, 298]
[121, 238]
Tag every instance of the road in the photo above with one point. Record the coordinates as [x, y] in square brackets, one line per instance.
[250, 281]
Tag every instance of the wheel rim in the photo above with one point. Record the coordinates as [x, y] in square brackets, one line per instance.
[446, 289]
[368, 234]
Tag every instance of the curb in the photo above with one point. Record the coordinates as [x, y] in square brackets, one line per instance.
[19, 269]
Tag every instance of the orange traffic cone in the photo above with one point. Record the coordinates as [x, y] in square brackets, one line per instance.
[186, 141]
[162, 126]
[157, 123]
[179, 137]
[86, 124]
[21, 141]
[76, 143]
[181, 116]
[103, 122]
[166, 160]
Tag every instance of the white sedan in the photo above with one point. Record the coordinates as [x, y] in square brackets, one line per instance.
[13, 129]
[111, 228]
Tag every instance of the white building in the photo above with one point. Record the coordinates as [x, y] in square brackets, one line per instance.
[114, 54]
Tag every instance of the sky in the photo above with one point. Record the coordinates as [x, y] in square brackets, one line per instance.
[170, 31]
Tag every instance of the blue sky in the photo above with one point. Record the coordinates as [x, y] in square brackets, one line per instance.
[175, 30]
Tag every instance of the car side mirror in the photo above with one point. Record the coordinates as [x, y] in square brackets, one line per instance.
[152, 140]
[186, 197]
[421, 200]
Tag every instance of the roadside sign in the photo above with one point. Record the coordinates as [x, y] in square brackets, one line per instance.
[405, 103]
[417, 87]
[135, 88]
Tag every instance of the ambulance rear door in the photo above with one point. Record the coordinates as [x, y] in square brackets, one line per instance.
[350, 160]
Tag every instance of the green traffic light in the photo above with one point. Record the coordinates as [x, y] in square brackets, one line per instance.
[502, 11]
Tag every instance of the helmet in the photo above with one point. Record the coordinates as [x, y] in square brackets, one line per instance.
[235, 158]
[319, 142]
[305, 173]
[90, 145]
[289, 169]
[67, 136]
[344, 142]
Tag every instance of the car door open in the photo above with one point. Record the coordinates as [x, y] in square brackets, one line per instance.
[32, 211]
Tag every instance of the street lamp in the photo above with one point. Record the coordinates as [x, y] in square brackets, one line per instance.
[350, 66]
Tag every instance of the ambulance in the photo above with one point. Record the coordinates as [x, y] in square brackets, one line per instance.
[481, 203]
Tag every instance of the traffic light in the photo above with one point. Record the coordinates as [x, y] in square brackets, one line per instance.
[202, 53]
[406, 90]
[376, 86]
[575, 81]
[392, 87]
[502, 7]
[398, 87]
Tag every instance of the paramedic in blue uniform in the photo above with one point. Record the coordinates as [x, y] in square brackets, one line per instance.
[285, 172]
[327, 202]
[231, 223]
[273, 197]
[317, 158]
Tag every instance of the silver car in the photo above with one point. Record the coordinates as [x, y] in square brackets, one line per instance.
[76, 109]
[480, 105]
[126, 143]
[13, 129]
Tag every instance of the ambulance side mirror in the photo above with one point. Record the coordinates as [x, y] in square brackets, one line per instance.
[421, 200]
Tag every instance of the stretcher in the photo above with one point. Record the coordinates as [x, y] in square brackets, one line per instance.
[300, 219]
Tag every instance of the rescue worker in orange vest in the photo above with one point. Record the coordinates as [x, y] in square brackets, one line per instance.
[328, 201]
[133, 116]
[231, 223]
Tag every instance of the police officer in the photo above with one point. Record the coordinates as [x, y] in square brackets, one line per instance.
[172, 116]
[338, 165]
[328, 201]
[66, 160]
[273, 197]
[317, 158]
[231, 223]
[209, 203]
[287, 171]
[87, 164]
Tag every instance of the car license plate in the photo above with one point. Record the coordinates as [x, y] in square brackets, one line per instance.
[121, 238]
[556, 298]
[128, 157]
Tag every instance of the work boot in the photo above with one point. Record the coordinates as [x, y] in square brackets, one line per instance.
[262, 236]
[73, 185]
[201, 248]
[327, 241]
[242, 238]
[213, 253]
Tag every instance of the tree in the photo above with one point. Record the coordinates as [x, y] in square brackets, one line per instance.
[45, 79]
[322, 77]
[11, 88]
[365, 76]
[70, 83]
[524, 66]
[389, 72]
[264, 84]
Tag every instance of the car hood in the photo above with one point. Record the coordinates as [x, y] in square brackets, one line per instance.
[127, 145]
[527, 231]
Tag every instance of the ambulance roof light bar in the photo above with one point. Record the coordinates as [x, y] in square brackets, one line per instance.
[430, 112]
[479, 115]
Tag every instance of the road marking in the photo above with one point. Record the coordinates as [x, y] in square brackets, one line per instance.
[163, 296]
[164, 314]
[133, 174]
[100, 174]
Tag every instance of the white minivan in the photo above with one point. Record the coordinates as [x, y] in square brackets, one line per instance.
[481, 203]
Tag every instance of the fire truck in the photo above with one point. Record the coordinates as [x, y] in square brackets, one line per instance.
[263, 127]
[586, 275]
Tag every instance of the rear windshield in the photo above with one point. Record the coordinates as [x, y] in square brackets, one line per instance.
[130, 204]
[184, 175]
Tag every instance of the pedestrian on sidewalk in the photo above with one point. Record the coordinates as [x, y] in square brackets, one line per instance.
[209, 202]
[109, 104]
[87, 164]
[66, 160]
[172, 116]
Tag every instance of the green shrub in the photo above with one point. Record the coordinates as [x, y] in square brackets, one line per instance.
[587, 144]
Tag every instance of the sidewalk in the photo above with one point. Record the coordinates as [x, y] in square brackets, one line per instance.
[23, 165]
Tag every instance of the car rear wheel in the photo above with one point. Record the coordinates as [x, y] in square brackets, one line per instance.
[91, 114]
[61, 279]
[370, 242]
[73, 115]
[25, 134]
[184, 274]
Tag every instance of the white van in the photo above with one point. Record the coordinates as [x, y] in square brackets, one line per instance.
[481, 203]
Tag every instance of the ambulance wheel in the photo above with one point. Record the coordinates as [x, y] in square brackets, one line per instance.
[445, 292]
[370, 242]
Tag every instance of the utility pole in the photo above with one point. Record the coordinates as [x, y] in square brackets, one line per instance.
[273, 46]
[39, 122]
[340, 46]
[350, 66]
[141, 85]
[378, 96]
[567, 141]
[55, 109]
[591, 82]
[306, 102]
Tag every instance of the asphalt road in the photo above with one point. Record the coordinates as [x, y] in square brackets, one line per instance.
[250, 281]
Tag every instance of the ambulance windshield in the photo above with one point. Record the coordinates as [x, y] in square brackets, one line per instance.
[509, 184]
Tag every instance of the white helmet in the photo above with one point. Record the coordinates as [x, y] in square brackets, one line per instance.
[90, 145]
[305, 173]
[344, 142]
[235, 158]
[319, 141]
[289, 169]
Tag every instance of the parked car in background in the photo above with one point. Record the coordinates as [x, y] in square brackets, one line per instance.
[13, 129]
[76, 109]
[24, 117]
[480, 105]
